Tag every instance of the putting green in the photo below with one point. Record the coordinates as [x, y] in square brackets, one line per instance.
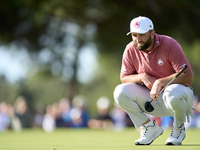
[88, 139]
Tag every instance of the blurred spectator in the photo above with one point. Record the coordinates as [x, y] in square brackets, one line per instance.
[103, 120]
[118, 116]
[65, 108]
[22, 117]
[4, 116]
[76, 120]
[166, 122]
[39, 115]
[58, 115]
[79, 114]
[49, 124]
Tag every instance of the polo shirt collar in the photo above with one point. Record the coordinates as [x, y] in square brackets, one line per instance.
[156, 42]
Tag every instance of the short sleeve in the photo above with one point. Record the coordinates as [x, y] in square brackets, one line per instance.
[177, 57]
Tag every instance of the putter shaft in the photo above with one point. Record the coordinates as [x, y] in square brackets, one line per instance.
[180, 72]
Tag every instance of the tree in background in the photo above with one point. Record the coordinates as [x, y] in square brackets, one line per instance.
[54, 32]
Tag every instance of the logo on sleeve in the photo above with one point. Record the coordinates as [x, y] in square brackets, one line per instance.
[123, 68]
[160, 62]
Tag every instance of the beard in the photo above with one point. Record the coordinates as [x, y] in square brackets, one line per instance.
[144, 46]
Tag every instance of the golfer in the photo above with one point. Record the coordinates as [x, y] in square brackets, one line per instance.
[149, 62]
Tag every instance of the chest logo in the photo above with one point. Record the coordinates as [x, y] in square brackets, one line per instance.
[160, 62]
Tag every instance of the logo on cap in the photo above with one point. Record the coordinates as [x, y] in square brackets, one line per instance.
[136, 24]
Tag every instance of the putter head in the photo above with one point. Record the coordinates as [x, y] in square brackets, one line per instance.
[148, 107]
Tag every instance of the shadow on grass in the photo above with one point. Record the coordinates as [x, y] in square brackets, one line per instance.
[191, 145]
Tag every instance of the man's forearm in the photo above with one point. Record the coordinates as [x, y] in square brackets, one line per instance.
[142, 78]
[134, 78]
[185, 78]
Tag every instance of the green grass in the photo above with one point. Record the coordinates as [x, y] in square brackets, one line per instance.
[88, 139]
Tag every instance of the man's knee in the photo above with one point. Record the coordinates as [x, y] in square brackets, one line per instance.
[119, 94]
[124, 97]
[175, 99]
[124, 93]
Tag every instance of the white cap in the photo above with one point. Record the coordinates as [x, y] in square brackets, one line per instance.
[140, 25]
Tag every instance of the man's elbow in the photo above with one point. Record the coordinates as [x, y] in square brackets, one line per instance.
[122, 80]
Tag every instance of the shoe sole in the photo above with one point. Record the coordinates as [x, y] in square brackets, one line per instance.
[170, 143]
[160, 132]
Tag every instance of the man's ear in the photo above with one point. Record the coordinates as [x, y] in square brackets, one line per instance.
[152, 34]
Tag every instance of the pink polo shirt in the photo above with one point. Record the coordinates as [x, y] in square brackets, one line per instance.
[164, 59]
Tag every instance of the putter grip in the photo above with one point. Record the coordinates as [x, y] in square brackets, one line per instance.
[183, 69]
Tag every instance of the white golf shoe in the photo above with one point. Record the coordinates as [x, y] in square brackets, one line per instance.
[148, 134]
[176, 137]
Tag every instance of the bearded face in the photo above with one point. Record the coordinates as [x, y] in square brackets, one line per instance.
[142, 41]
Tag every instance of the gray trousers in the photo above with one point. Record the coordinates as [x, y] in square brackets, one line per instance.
[175, 101]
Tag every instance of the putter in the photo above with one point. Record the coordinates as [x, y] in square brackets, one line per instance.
[148, 107]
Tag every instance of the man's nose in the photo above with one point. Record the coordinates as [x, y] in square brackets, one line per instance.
[138, 39]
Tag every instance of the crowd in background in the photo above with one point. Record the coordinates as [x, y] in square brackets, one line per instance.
[62, 114]
[75, 114]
